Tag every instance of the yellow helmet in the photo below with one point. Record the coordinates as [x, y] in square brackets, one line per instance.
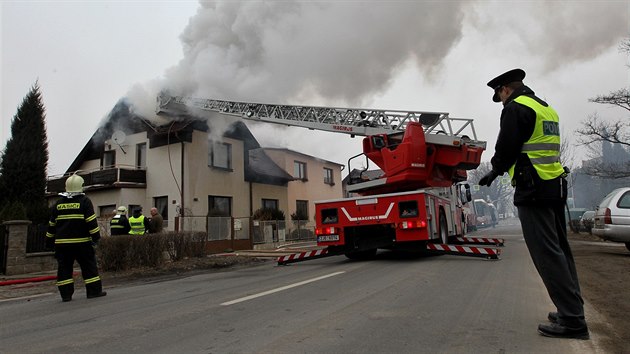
[74, 184]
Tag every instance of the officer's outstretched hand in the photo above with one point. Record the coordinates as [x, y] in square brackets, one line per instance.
[488, 178]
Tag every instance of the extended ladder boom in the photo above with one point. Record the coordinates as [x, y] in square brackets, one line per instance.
[438, 126]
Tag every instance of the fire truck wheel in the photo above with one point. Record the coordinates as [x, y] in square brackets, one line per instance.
[361, 255]
[443, 228]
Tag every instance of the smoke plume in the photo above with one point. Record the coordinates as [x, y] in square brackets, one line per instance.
[279, 52]
[345, 53]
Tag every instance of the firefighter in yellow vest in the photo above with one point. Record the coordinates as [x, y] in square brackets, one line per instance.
[528, 149]
[138, 223]
[75, 232]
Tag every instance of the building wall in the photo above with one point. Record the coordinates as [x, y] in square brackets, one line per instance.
[266, 191]
[164, 179]
[203, 180]
[313, 188]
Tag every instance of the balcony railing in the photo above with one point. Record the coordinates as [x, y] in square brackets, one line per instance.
[103, 178]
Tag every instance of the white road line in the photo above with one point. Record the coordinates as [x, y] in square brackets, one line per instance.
[264, 293]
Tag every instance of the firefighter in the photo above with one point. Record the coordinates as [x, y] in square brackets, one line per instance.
[528, 148]
[119, 225]
[75, 232]
[138, 223]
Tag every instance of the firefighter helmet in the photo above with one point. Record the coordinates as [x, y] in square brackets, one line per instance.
[74, 184]
[122, 209]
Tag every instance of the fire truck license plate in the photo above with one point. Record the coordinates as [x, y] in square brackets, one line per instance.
[328, 238]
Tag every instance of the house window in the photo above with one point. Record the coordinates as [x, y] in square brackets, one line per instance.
[299, 170]
[219, 206]
[270, 204]
[141, 156]
[301, 209]
[109, 158]
[220, 156]
[161, 204]
[105, 210]
[328, 176]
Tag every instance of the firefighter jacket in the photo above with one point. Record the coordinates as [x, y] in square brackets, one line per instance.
[119, 225]
[72, 221]
[528, 149]
[138, 225]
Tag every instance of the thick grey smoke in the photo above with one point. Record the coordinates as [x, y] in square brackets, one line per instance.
[348, 52]
[341, 52]
[558, 33]
[281, 51]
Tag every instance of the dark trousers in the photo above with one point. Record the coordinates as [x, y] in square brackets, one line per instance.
[84, 254]
[545, 233]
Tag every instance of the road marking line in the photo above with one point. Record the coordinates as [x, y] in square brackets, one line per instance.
[264, 293]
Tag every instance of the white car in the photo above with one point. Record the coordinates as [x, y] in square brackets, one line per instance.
[612, 217]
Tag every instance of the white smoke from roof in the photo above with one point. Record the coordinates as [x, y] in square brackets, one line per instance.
[277, 52]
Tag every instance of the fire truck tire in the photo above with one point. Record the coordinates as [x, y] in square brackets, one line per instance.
[361, 255]
[443, 228]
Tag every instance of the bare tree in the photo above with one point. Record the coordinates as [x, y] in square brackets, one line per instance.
[617, 133]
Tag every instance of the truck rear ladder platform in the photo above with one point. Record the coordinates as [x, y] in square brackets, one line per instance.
[478, 241]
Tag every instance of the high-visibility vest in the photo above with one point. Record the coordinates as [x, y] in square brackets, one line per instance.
[137, 225]
[543, 147]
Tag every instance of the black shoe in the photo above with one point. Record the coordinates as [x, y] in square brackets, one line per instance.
[555, 330]
[66, 299]
[92, 296]
[552, 317]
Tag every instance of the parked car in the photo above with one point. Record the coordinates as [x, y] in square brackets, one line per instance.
[612, 217]
[587, 220]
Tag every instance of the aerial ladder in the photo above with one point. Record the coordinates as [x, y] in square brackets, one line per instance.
[422, 155]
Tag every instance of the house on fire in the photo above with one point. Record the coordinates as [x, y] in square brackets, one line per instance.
[182, 165]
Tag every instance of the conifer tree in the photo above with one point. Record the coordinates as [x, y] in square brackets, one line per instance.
[24, 160]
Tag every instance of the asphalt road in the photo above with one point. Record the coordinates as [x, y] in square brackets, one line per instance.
[394, 304]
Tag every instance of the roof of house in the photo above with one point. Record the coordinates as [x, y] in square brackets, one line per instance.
[302, 154]
[259, 168]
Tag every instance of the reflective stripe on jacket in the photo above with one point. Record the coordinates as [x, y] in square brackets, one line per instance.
[543, 147]
[72, 220]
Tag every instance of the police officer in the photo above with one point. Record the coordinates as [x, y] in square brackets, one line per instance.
[138, 223]
[119, 224]
[75, 231]
[528, 149]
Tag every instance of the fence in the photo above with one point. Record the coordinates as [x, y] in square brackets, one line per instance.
[282, 231]
[36, 239]
[243, 228]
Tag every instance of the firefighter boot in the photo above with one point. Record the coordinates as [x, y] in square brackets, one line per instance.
[94, 288]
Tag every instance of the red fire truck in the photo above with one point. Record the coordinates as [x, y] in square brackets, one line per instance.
[415, 204]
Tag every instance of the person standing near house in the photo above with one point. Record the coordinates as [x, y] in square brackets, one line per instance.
[528, 148]
[139, 225]
[74, 230]
[156, 221]
[119, 225]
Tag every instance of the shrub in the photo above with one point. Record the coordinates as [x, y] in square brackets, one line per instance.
[264, 214]
[186, 245]
[124, 252]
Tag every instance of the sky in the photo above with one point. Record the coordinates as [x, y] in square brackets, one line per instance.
[397, 55]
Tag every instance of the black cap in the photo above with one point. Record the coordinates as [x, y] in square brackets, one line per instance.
[504, 79]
